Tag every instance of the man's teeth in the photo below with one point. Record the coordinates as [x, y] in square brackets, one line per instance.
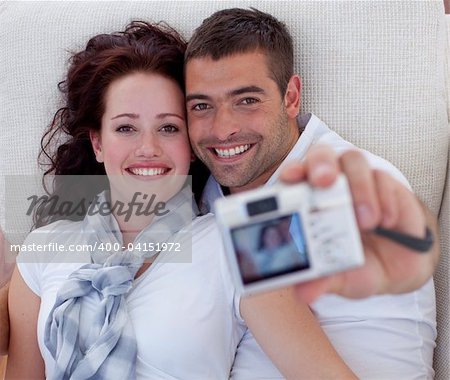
[232, 151]
[148, 171]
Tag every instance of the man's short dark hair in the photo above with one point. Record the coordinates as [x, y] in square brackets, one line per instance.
[236, 30]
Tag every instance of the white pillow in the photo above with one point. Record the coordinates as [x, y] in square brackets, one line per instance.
[373, 70]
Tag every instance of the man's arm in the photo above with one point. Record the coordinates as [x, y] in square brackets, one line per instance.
[291, 336]
[379, 200]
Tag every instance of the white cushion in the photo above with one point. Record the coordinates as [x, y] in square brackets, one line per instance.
[442, 276]
[373, 70]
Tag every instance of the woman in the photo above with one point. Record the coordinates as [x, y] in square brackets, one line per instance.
[277, 251]
[132, 308]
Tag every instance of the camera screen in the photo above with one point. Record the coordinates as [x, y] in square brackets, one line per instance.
[270, 248]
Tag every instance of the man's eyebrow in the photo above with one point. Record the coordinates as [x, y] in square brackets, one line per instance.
[190, 97]
[130, 115]
[244, 90]
[235, 92]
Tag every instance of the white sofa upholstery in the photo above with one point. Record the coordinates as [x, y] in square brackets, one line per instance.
[375, 71]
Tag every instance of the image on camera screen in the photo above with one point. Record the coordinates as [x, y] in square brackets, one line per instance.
[270, 248]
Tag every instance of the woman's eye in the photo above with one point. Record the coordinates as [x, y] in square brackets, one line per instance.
[169, 129]
[124, 128]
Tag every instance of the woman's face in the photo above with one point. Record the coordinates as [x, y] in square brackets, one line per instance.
[143, 141]
[272, 238]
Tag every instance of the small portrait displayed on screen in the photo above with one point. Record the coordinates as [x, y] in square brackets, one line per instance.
[270, 248]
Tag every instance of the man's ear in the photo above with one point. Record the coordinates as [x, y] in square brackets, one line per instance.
[292, 96]
[96, 142]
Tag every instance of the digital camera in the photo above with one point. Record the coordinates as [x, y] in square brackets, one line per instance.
[283, 234]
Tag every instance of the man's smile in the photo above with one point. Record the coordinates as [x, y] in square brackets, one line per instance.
[231, 151]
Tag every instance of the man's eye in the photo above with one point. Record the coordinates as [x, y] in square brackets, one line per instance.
[249, 101]
[200, 107]
[169, 129]
[124, 128]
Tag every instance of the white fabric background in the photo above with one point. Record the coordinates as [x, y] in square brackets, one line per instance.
[372, 70]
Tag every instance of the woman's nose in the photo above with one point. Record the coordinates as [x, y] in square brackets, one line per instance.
[148, 146]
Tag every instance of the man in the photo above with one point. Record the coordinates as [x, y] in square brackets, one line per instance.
[243, 102]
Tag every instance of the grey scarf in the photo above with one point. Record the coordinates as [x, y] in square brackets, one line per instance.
[111, 352]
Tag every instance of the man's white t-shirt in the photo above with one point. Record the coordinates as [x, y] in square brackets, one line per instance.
[381, 337]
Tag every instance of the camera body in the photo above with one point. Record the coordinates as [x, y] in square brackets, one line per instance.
[284, 234]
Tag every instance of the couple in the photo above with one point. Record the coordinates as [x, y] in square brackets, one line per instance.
[138, 316]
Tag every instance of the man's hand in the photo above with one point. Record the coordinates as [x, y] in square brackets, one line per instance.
[379, 200]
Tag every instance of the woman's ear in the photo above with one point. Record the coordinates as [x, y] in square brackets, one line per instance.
[96, 145]
[292, 96]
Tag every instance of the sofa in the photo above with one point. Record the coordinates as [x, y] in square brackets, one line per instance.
[376, 71]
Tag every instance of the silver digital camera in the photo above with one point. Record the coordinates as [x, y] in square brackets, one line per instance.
[283, 234]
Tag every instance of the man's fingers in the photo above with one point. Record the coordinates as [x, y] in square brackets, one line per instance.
[363, 189]
[412, 219]
[400, 209]
[322, 166]
[387, 197]
[293, 172]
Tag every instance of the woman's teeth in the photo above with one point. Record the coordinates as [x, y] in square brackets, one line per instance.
[148, 171]
[232, 151]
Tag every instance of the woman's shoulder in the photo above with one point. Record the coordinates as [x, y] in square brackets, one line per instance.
[47, 242]
[59, 225]
[53, 230]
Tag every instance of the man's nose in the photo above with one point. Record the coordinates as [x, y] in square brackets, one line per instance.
[224, 124]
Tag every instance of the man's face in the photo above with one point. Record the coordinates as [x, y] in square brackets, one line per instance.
[237, 119]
